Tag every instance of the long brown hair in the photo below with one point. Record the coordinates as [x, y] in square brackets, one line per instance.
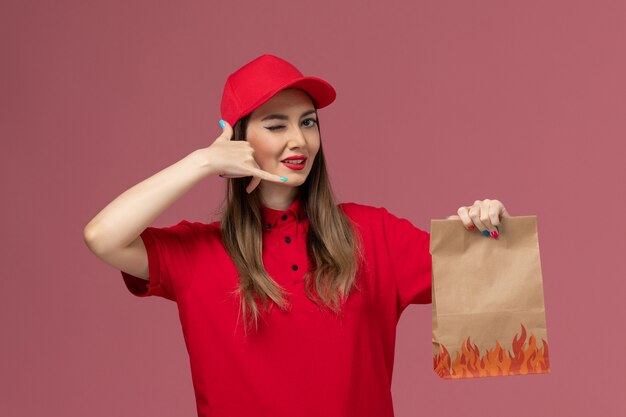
[334, 248]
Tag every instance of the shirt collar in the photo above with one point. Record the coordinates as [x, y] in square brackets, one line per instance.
[295, 211]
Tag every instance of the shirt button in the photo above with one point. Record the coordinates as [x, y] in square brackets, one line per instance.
[268, 226]
[284, 217]
[294, 267]
[288, 239]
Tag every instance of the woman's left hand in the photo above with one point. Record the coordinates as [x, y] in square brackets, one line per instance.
[485, 215]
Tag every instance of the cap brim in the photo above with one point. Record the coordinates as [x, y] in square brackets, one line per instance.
[321, 91]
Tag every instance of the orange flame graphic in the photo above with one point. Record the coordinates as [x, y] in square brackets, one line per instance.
[495, 362]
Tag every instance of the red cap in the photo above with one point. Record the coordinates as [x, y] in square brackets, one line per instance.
[260, 79]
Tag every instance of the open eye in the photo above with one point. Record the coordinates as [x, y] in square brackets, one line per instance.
[310, 120]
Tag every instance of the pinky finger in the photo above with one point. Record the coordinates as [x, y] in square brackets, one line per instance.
[253, 184]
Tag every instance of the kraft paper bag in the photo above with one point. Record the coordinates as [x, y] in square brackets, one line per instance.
[487, 300]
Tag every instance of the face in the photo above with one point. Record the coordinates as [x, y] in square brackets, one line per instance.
[284, 126]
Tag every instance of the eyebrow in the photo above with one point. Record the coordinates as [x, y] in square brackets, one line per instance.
[283, 117]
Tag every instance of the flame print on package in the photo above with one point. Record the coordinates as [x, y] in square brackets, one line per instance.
[525, 359]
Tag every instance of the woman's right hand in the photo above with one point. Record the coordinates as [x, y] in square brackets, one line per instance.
[234, 159]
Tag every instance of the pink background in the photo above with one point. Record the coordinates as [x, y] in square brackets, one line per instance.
[440, 103]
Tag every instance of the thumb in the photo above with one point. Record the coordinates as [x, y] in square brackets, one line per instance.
[227, 131]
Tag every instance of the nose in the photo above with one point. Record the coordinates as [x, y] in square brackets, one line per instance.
[296, 138]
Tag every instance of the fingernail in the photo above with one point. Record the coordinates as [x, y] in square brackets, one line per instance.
[222, 124]
[283, 179]
[486, 233]
[494, 234]
[471, 227]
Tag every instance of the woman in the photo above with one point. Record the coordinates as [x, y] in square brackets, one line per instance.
[328, 281]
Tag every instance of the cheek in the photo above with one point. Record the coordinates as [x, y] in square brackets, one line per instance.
[314, 148]
[266, 159]
[258, 143]
[264, 153]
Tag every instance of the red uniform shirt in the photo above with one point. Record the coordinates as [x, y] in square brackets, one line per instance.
[303, 362]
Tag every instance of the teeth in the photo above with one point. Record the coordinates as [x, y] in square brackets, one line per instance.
[295, 161]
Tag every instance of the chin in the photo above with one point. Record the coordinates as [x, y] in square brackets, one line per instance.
[294, 182]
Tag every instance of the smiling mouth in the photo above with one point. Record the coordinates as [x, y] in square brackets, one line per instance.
[294, 167]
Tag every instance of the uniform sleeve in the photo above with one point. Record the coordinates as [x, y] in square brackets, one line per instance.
[410, 260]
[171, 258]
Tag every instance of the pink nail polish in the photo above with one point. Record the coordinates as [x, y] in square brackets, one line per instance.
[494, 234]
